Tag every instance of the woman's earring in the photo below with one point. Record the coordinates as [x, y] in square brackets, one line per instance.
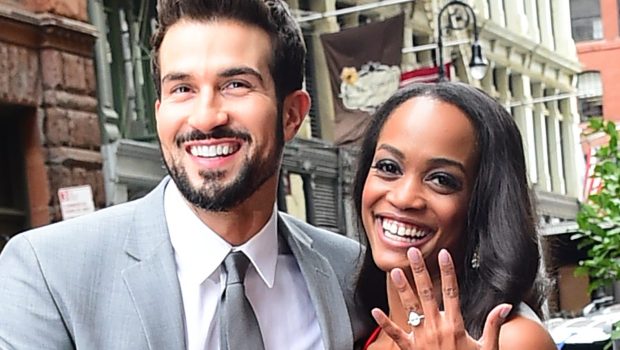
[475, 259]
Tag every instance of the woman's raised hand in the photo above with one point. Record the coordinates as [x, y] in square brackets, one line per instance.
[437, 329]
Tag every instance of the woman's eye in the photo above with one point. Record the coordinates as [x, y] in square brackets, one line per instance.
[445, 181]
[387, 167]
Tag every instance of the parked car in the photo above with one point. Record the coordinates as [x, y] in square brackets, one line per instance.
[592, 331]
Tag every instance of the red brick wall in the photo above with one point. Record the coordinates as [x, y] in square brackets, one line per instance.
[604, 56]
[46, 63]
[71, 126]
[19, 72]
[75, 9]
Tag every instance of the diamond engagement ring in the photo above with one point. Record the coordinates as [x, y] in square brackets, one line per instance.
[414, 319]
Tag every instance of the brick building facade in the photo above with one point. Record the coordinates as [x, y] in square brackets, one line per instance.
[596, 27]
[48, 110]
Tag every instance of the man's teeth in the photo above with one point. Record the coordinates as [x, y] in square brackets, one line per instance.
[400, 229]
[213, 150]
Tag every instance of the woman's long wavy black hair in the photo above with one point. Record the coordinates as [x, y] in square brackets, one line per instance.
[500, 220]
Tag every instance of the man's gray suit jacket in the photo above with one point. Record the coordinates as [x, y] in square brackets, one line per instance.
[108, 281]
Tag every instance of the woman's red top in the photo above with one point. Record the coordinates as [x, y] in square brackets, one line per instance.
[372, 337]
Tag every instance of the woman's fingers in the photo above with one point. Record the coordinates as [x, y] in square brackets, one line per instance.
[423, 284]
[408, 298]
[439, 329]
[403, 339]
[450, 289]
[495, 320]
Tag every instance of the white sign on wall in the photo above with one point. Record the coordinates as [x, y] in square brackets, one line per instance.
[76, 201]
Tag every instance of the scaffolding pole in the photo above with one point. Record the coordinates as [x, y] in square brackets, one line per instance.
[352, 9]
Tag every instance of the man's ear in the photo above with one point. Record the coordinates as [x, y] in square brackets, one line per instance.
[294, 109]
[157, 104]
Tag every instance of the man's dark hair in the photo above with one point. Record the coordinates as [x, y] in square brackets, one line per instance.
[501, 221]
[273, 16]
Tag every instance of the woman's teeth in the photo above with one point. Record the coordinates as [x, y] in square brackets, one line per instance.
[402, 232]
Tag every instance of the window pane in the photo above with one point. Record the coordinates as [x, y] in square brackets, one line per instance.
[586, 20]
[587, 29]
[585, 8]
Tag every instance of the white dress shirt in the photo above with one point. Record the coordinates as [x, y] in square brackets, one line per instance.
[274, 284]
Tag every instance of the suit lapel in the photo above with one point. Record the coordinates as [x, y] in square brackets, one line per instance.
[323, 287]
[152, 280]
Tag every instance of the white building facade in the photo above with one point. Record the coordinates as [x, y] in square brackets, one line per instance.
[532, 71]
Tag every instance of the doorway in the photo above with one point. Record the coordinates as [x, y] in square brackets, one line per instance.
[13, 191]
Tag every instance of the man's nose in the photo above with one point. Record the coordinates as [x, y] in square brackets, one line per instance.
[208, 112]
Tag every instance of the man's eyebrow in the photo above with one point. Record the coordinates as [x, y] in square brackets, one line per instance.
[227, 73]
[231, 72]
[175, 76]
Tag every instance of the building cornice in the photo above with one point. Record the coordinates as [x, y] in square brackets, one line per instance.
[46, 30]
[557, 205]
[520, 54]
[506, 48]
[493, 31]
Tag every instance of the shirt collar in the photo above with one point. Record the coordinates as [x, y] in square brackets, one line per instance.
[262, 250]
[199, 251]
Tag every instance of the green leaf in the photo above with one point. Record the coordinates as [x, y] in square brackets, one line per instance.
[602, 153]
[610, 129]
[610, 168]
[596, 124]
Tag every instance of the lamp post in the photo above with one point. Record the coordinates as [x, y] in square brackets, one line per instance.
[477, 65]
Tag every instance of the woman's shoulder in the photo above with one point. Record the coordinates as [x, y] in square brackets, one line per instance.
[522, 332]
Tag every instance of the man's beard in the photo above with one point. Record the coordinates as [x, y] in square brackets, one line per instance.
[212, 195]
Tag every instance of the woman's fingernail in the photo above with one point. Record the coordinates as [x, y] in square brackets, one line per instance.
[444, 257]
[376, 314]
[397, 277]
[505, 311]
[414, 255]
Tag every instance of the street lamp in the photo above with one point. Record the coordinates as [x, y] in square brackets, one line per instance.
[477, 65]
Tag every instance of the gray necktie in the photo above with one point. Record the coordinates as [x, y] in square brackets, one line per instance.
[239, 327]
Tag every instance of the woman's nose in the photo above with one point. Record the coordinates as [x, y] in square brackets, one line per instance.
[407, 194]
